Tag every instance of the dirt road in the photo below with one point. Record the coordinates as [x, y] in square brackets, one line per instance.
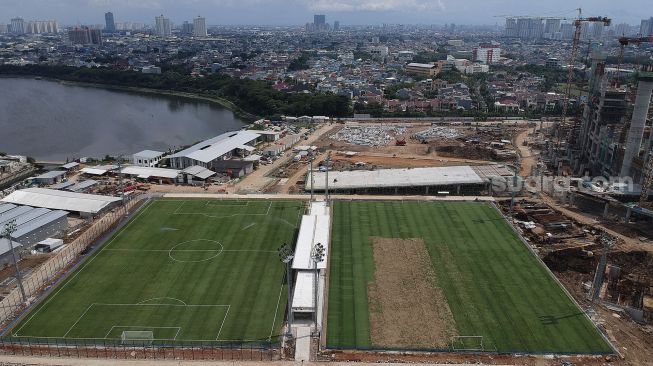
[258, 179]
[528, 161]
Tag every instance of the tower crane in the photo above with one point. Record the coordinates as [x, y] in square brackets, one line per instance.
[625, 41]
[578, 22]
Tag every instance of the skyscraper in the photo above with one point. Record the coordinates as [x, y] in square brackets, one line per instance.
[199, 27]
[646, 27]
[336, 26]
[319, 22]
[110, 23]
[42, 26]
[85, 35]
[162, 26]
[187, 28]
[17, 26]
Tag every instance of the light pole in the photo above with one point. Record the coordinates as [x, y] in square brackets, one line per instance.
[514, 185]
[122, 188]
[317, 254]
[10, 228]
[326, 189]
[286, 255]
[312, 178]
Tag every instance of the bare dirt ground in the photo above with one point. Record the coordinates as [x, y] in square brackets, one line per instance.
[405, 296]
[32, 261]
[528, 161]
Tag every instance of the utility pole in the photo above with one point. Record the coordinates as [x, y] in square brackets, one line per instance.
[317, 254]
[9, 229]
[286, 255]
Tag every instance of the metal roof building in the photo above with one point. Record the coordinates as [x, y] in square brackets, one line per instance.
[218, 148]
[455, 180]
[148, 172]
[32, 225]
[84, 204]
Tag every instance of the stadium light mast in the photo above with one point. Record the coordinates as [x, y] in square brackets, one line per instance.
[10, 228]
[326, 189]
[286, 255]
[317, 254]
[122, 188]
[312, 178]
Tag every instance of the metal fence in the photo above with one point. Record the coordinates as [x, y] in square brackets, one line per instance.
[48, 272]
[113, 349]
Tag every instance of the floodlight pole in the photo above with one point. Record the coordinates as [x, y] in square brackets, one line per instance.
[317, 254]
[10, 228]
[122, 189]
[326, 189]
[312, 179]
[286, 255]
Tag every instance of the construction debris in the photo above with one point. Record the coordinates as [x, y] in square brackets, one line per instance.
[438, 132]
[369, 135]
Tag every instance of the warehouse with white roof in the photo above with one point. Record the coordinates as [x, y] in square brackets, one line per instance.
[83, 204]
[208, 153]
[454, 180]
[32, 226]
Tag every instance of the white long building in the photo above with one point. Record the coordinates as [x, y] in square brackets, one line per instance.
[210, 153]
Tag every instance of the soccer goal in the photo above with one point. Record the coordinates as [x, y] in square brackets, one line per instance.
[137, 337]
[467, 343]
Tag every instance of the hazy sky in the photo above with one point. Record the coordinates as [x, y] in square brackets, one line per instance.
[290, 12]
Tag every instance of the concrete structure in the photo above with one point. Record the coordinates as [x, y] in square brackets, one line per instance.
[42, 26]
[595, 147]
[378, 52]
[487, 53]
[51, 177]
[109, 22]
[233, 168]
[210, 153]
[425, 70]
[646, 27]
[162, 26]
[199, 27]
[84, 36]
[84, 204]
[638, 121]
[147, 158]
[314, 229]
[17, 26]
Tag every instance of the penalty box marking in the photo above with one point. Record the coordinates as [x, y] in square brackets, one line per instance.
[176, 212]
[145, 304]
[145, 328]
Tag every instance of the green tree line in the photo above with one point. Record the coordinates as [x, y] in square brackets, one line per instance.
[253, 96]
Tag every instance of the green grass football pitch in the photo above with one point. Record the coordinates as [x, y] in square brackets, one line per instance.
[185, 270]
[494, 285]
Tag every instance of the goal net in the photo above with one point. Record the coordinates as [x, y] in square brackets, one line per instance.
[467, 343]
[137, 337]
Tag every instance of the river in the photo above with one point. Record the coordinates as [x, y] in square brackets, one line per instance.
[53, 121]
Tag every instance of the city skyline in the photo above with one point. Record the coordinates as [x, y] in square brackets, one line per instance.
[298, 12]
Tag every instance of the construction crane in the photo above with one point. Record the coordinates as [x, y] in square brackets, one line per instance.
[625, 41]
[578, 22]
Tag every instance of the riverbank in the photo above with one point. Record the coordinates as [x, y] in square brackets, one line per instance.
[241, 114]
